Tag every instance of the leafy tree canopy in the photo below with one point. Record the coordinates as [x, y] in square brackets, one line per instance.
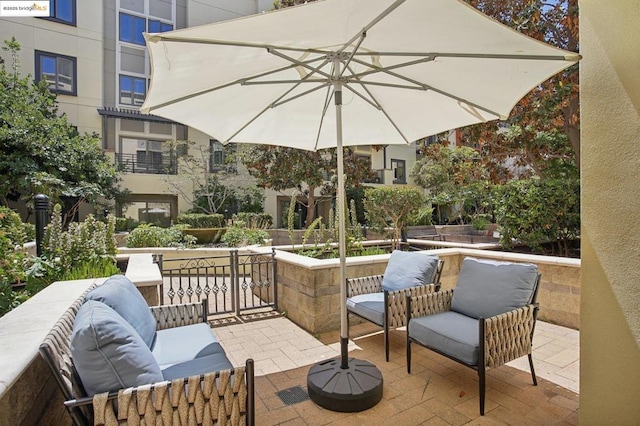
[543, 130]
[455, 177]
[281, 168]
[392, 206]
[41, 151]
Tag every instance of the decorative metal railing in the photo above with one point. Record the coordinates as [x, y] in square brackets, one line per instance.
[129, 163]
[232, 284]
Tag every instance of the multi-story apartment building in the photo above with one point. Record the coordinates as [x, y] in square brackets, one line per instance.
[93, 54]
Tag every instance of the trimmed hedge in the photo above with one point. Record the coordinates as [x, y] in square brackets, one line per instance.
[199, 220]
[254, 220]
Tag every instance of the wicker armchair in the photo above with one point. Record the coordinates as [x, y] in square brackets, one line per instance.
[224, 397]
[485, 322]
[367, 299]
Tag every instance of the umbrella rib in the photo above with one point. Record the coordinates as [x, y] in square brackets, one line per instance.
[280, 101]
[274, 104]
[374, 101]
[243, 80]
[370, 25]
[376, 69]
[296, 62]
[327, 100]
[573, 57]
[426, 87]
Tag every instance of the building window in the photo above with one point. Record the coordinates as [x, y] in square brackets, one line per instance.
[58, 70]
[399, 171]
[131, 29]
[158, 26]
[63, 11]
[133, 90]
[216, 156]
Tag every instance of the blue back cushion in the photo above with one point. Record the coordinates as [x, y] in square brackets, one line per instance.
[107, 352]
[119, 293]
[409, 269]
[486, 287]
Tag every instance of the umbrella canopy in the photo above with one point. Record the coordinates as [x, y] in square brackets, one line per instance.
[396, 70]
[413, 68]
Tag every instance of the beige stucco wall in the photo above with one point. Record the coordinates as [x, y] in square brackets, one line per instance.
[610, 314]
[83, 42]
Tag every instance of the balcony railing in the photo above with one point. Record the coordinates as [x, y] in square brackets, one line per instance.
[129, 163]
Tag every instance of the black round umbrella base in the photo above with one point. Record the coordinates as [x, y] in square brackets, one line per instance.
[348, 390]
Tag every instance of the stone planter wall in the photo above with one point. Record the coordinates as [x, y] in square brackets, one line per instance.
[308, 289]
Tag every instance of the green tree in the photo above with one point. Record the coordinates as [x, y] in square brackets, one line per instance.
[209, 190]
[539, 213]
[281, 168]
[455, 177]
[41, 151]
[390, 205]
[543, 130]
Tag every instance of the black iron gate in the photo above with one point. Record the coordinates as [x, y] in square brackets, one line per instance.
[237, 284]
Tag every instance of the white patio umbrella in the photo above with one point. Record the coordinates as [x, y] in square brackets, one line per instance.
[396, 70]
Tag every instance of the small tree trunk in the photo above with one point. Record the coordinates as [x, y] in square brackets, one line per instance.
[311, 207]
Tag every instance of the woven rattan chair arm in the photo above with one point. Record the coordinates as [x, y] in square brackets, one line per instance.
[169, 316]
[397, 303]
[508, 335]
[364, 285]
[431, 303]
[212, 398]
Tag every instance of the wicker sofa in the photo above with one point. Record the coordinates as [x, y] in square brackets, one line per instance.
[188, 379]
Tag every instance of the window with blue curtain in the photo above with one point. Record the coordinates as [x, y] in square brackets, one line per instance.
[159, 26]
[131, 28]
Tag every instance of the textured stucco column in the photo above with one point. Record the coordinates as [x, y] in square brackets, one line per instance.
[610, 122]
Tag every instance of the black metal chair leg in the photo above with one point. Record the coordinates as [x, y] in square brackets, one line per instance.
[386, 340]
[533, 372]
[408, 316]
[482, 385]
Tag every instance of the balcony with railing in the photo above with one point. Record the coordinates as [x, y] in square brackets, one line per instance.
[159, 165]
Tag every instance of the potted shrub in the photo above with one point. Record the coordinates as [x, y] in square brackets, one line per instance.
[207, 228]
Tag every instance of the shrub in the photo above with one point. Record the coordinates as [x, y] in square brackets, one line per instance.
[239, 236]
[153, 236]
[536, 212]
[10, 298]
[480, 222]
[199, 220]
[126, 224]
[254, 220]
[84, 250]
[423, 217]
[12, 258]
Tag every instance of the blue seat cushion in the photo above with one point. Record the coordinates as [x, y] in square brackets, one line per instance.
[119, 293]
[409, 269]
[180, 344]
[108, 353]
[486, 288]
[205, 364]
[369, 306]
[450, 333]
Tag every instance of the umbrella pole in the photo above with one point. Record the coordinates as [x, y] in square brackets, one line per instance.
[344, 332]
[351, 385]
